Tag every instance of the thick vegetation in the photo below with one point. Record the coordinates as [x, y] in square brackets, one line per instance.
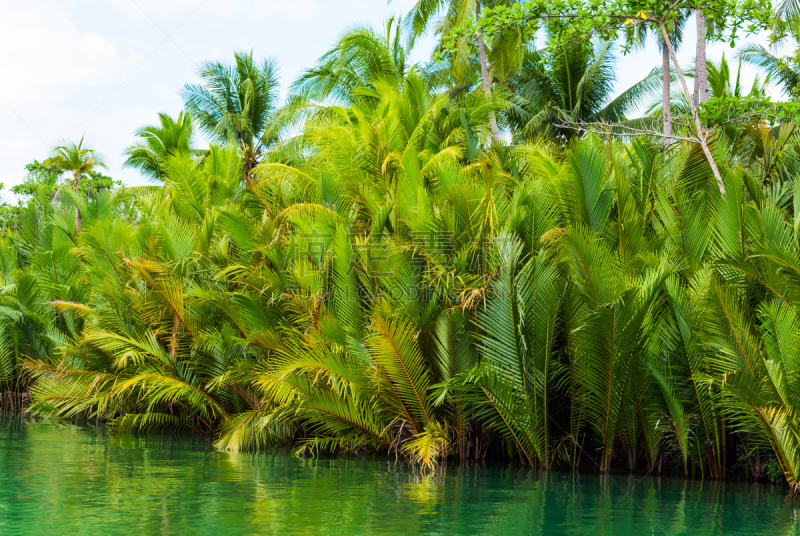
[391, 279]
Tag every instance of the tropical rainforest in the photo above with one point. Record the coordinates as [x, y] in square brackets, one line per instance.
[497, 254]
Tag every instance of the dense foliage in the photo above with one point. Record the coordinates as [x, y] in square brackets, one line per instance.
[391, 279]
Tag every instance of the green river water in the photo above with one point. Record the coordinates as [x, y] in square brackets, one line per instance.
[64, 479]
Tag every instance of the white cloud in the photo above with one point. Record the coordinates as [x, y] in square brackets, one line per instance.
[55, 74]
[46, 55]
[251, 9]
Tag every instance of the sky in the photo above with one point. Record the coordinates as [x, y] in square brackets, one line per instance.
[101, 69]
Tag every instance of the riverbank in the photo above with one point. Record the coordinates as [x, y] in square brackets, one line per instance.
[588, 465]
[62, 478]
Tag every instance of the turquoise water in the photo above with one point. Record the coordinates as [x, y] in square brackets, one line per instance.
[65, 479]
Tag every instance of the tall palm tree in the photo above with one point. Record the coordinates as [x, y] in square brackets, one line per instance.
[701, 77]
[676, 38]
[353, 68]
[171, 137]
[457, 13]
[238, 103]
[575, 83]
[80, 161]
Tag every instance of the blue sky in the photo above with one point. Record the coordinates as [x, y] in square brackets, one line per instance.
[103, 68]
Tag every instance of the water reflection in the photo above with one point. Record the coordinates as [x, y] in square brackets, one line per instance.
[61, 478]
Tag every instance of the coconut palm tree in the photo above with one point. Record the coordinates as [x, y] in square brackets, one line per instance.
[78, 160]
[455, 14]
[171, 137]
[701, 77]
[238, 103]
[676, 38]
[778, 72]
[361, 59]
[577, 84]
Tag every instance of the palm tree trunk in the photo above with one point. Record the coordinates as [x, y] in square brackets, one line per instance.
[487, 84]
[701, 72]
[701, 132]
[665, 96]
